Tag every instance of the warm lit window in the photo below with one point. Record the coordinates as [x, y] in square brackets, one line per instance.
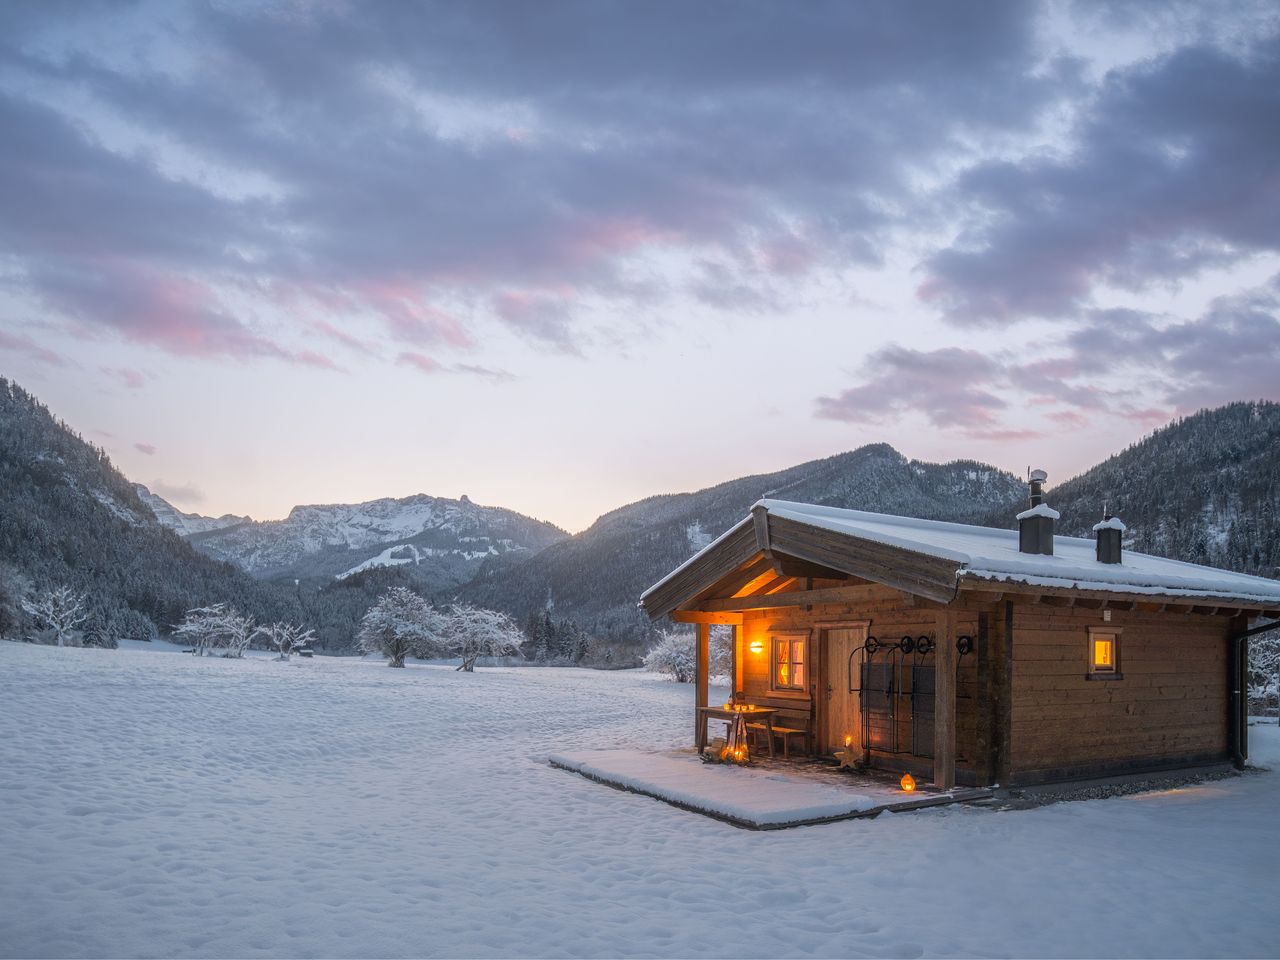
[1104, 653]
[789, 662]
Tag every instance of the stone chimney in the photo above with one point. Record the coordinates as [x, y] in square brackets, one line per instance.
[1109, 532]
[1035, 525]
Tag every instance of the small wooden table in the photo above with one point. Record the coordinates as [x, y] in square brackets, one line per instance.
[756, 714]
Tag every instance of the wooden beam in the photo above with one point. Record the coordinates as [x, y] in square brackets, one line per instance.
[1002, 736]
[702, 660]
[1056, 600]
[802, 598]
[756, 586]
[736, 644]
[986, 703]
[944, 701]
[778, 586]
[701, 616]
[982, 596]
[736, 582]
[795, 567]
[760, 523]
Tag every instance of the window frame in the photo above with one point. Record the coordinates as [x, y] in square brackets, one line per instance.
[790, 637]
[1095, 672]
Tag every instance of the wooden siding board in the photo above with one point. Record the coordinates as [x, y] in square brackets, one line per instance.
[1167, 706]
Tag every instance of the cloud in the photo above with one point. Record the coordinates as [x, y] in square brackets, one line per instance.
[420, 362]
[1116, 363]
[430, 365]
[1171, 170]
[146, 448]
[946, 385]
[133, 379]
[326, 160]
[25, 346]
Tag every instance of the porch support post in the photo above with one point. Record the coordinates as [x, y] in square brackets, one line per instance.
[944, 705]
[737, 640]
[700, 684]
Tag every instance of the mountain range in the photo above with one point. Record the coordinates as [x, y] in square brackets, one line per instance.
[438, 543]
[1204, 489]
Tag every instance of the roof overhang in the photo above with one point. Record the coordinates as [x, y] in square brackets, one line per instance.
[713, 581]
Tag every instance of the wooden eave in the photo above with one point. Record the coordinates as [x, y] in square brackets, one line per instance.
[756, 563]
[732, 552]
[989, 591]
[741, 563]
[915, 573]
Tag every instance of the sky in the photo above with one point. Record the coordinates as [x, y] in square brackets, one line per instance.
[562, 256]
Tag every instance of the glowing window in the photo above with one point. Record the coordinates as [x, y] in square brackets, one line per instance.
[790, 671]
[1104, 653]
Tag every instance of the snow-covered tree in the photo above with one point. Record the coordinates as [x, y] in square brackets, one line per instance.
[216, 626]
[720, 651]
[474, 632]
[1264, 662]
[238, 632]
[673, 655]
[399, 625]
[60, 609]
[285, 638]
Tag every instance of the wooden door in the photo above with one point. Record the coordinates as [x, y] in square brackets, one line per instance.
[842, 716]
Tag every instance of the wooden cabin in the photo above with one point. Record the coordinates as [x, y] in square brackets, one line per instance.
[970, 655]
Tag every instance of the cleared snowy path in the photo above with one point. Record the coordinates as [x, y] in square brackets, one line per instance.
[171, 806]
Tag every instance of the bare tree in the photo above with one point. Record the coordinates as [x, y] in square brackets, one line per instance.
[285, 638]
[60, 609]
[474, 632]
[399, 625]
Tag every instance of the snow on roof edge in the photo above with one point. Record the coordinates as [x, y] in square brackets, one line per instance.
[1176, 578]
[710, 546]
[1111, 586]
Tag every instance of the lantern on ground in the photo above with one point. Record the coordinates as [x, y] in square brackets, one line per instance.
[908, 783]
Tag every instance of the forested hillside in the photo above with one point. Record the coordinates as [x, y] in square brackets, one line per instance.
[1205, 489]
[68, 517]
[596, 577]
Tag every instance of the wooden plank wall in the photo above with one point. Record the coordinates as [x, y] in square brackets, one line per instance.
[890, 619]
[1169, 708]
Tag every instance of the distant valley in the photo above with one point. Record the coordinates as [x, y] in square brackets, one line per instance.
[1203, 489]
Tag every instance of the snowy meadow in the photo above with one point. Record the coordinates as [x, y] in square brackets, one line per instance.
[162, 805]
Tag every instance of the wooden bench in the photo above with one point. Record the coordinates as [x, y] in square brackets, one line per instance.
[785, 732]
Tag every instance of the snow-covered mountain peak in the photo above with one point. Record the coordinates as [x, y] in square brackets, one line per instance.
[184, 524]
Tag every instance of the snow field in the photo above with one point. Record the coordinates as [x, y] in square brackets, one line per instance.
[179, 806]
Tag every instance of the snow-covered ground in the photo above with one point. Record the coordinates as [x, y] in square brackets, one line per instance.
[174, 806]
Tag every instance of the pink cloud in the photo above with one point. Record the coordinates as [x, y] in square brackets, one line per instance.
[179, 314]
[419, 361]
[16, 343]
[133, 379]
[146, 448]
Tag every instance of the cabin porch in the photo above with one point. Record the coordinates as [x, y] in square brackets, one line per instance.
[770, 794]
[831, 690]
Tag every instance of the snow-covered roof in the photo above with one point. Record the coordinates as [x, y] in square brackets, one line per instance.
[991, 554]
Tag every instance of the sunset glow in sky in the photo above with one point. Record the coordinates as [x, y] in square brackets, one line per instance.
[561, 256]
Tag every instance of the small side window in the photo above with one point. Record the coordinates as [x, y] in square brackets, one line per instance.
[1104, 653]
[790, 666]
